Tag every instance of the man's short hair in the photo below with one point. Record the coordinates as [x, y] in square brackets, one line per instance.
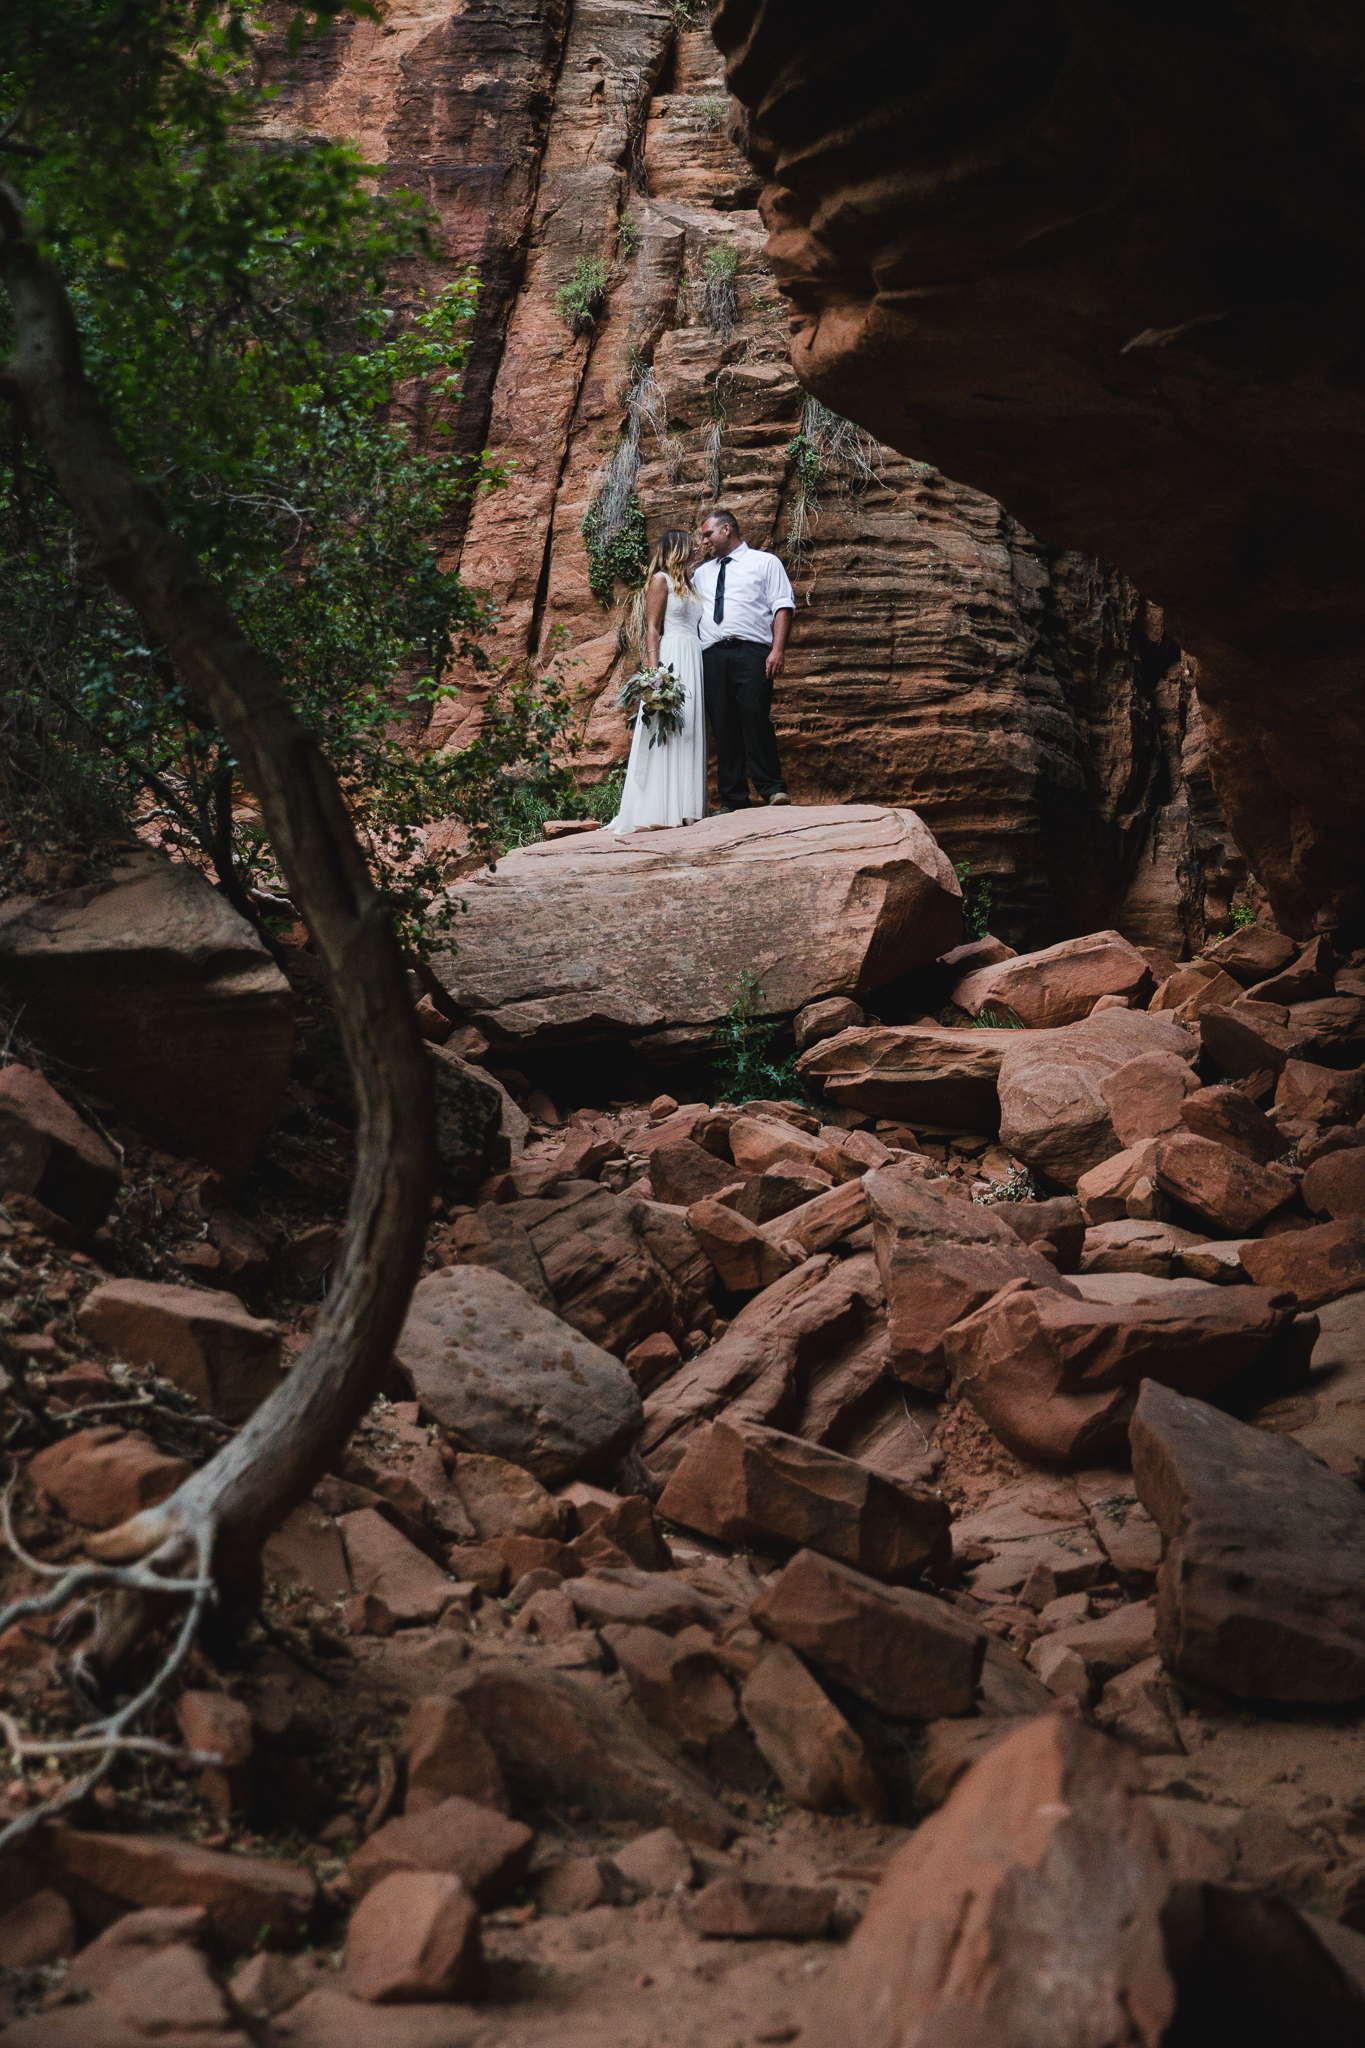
[722, 518]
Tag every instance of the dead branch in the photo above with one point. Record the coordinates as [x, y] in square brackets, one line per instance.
[214, 1524]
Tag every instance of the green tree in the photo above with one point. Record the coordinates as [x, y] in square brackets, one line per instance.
[239, 318]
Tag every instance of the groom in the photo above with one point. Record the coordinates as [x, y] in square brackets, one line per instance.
[747, 610]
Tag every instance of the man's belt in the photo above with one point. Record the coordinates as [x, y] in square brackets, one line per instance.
[738, 640]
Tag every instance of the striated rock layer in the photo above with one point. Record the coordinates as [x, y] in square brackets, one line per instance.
[1103, 263]
[1023, 700]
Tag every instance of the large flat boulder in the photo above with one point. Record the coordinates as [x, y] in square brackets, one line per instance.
[645, 937]
[1260, 1589]
[507, 1378]
[162, 998]
[1055, 1378]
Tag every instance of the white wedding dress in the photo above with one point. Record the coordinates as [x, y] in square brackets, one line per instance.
[666, 784]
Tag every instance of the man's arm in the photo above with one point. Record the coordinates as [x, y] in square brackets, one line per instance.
[782, 625]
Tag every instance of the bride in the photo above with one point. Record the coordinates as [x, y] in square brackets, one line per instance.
[666, 784]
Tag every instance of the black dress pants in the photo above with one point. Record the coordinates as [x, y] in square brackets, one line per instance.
[739, 701]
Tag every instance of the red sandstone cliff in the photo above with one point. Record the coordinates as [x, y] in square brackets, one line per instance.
[1016, 695]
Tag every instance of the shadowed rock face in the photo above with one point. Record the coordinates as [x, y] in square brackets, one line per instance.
[1104, 264]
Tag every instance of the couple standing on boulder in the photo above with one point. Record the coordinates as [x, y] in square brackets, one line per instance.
[717, 613]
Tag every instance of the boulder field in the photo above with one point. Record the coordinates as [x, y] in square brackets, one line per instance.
[907, 1535]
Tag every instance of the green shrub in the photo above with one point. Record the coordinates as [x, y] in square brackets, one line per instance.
[524, 815]
[741, 1069]
[712, 111]
[579, 301]
[976, 909]
[629, 236]
[1242, 916]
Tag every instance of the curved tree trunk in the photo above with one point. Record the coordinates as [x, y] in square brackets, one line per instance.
[281, 1452]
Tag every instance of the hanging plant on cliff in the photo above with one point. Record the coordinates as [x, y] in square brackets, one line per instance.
[236, 319]
[718, 294]
[613, 527]
[580, 300]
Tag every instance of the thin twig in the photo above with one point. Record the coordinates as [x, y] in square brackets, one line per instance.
[108, 1735]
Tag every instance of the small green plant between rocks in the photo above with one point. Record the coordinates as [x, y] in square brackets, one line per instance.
[1242, 916]
[743, 1072]
[976, 908]
[712, 110]
[579, 301]
[629, 236]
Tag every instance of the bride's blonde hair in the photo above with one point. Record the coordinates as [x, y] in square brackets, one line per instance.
[672, 552]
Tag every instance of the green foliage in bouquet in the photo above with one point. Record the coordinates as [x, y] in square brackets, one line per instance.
[658, 697]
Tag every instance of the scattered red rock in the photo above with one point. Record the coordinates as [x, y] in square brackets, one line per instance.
[215, 1721]
[1320, 1095]
[1056, 1379]
[484, 1849]
[103, 1476]
[745, 1909]
[200, 1338]
[753, 1485]
[40, 1929]
[46, 1151]
[448, 1756]
[561, 1743]
[681, 1690]
[415, 1936]
[1259, 1590]
[939, 1259]
[1059, 985]
[242, 1895]
[399, 1582]
[1145, 1095]
[1227, 1117]
[901, 1651]
[744, 1257]
[1334, 1186]
[1228, 1191]
[820, 1760]
[1313, 1266]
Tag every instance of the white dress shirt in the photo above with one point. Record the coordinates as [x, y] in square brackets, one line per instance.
[756, 588]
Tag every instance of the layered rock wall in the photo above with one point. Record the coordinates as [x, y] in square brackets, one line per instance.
[1022, 699]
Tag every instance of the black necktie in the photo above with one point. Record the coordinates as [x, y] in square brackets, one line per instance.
[718, 609]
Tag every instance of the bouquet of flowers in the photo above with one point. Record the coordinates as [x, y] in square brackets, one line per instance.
[659, 697]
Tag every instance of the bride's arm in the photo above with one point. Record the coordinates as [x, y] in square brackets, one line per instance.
[656, 604]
